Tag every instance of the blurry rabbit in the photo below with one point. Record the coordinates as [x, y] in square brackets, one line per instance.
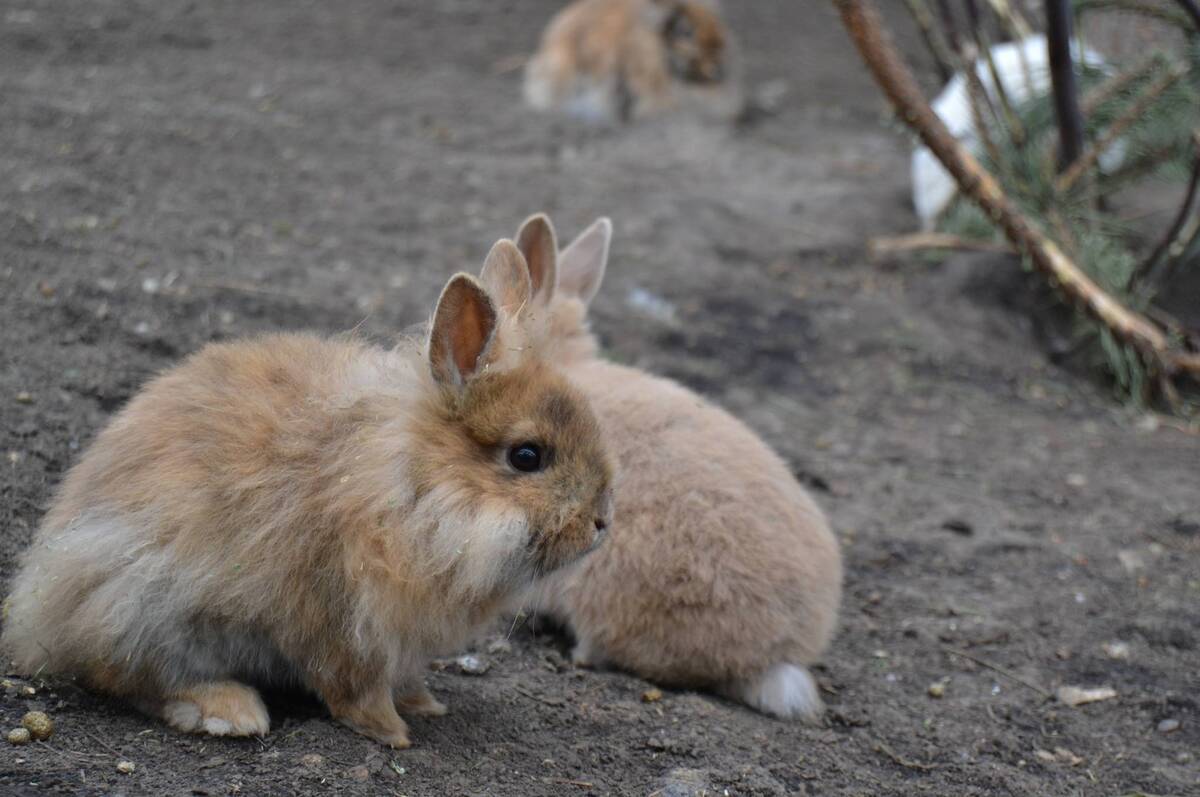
[605, 59]
[300, 511]
[721, 572]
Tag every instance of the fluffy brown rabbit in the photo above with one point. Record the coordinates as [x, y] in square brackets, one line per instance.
[322, 513]
[722, 572]
[606, 59]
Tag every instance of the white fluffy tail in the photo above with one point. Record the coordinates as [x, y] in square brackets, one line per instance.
[785, 691]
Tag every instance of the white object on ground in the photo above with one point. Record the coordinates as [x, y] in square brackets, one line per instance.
[932, 186]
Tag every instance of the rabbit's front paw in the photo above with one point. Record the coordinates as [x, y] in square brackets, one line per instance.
[220, 708]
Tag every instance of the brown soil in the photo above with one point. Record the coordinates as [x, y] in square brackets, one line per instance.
[174, 172]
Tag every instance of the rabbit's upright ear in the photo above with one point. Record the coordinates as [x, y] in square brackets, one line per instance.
[537, 243]
[581, 265]
[463, 329]
[506, 277]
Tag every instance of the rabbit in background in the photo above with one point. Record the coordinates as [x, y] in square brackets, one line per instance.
[621, 59]
[722, 573]
[294, 510]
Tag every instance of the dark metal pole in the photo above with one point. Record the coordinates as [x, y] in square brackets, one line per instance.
[1062, 77]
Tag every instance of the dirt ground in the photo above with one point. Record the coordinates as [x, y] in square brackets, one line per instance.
[174, 172]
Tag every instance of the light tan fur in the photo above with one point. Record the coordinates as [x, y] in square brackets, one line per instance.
[620, 59]
[720, 572]
[300, 511]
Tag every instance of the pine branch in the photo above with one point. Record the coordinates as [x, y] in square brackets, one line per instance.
[862, 22]
[1115, 130]
[1114, 85]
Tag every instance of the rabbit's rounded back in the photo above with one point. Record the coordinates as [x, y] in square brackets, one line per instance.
[721, 568]
[323, 511]
[616, 59]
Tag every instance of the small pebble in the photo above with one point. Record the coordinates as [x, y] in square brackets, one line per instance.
[958, 526]
[499, 645]
[652, 696]
[39, 725]
[312, 760]
[1168, 725]
[28, 691]
[126, 767]
[24, 397]
[1116, 650]
[1075, 696]
[359, 773]
[937, 688]
[19, 736]
[1077, 480]
[472, 665]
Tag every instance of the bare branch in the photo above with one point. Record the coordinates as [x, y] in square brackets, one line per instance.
[895, 244]
[1135, 7]
[934, 41]
[1172, 235]
[1062, 80]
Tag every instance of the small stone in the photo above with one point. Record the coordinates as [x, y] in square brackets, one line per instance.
[28, 691]
[958, 526]
[1116, 650]
[471, 664]
[1067, 757]
[24, 397]
[1077, 480]
[1187, 528]
[39, 724]
[19, 736]
[1132, 561]
[126, 767]
[151, 285]
[312, 760]
[1075, 696]
[46, 290]
[1148, 423]
[359, 773]
[500, 645]
[652, 695]
[938, 688]
[1168, 725]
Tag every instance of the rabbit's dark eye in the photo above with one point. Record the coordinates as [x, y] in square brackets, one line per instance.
[526, 457]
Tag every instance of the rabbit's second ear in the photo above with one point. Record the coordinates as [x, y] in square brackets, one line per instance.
[464, 326]
[581, 265]
[537, 243]
[506, 277]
